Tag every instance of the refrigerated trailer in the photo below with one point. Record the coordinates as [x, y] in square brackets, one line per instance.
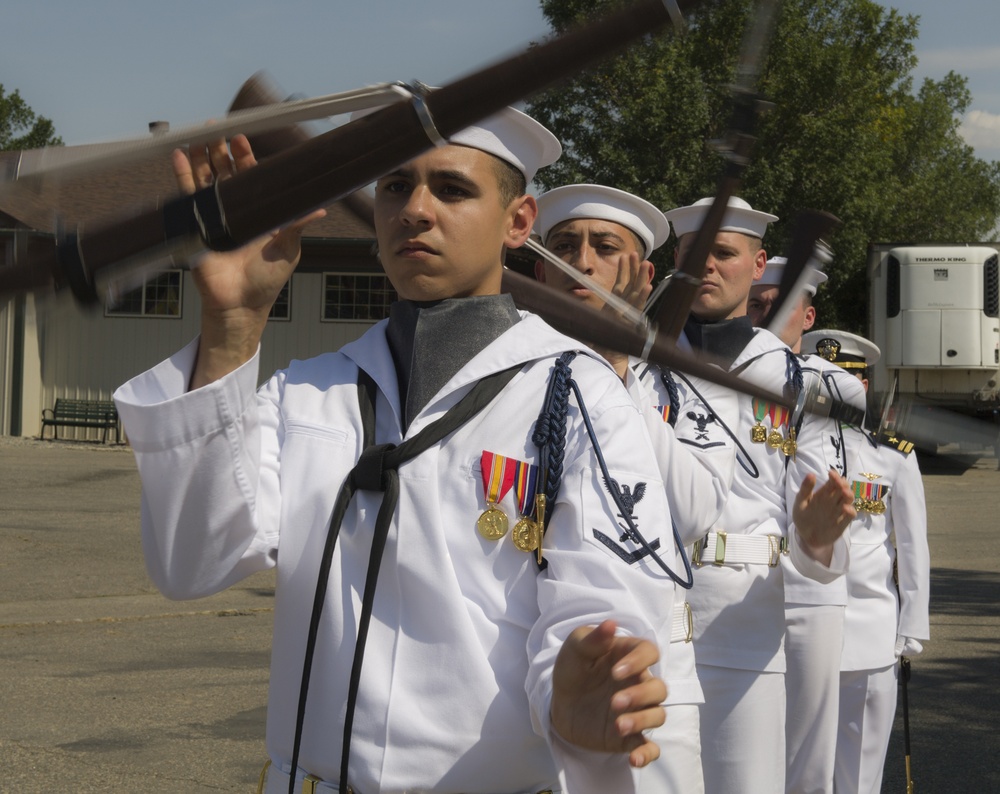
[934, 312]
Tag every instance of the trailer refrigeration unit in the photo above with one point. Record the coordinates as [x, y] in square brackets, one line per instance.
[934, 312]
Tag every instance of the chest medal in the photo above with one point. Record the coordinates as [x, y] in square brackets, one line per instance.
[498, 477]
[869, 496]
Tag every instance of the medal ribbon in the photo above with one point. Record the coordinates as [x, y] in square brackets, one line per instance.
[664, 411]
[525, 483]
[759, 409]
[779, 415]
[498, 476]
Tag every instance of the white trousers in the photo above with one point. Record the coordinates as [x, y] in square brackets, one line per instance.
[742, 731]
[678, 769]
[867, 710]
[814, 641]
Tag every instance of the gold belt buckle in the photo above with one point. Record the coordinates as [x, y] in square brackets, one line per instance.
[309, 783]
[689, 621]
[720, 548]
[699, 547]
[774, 549]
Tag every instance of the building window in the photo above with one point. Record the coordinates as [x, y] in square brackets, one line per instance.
[159, 296]
[356, 297]
[282, 308]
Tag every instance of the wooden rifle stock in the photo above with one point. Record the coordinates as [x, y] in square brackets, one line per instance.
[810, 226]
[672, 311]
[257, 92]
[594, 327]
[328, 167]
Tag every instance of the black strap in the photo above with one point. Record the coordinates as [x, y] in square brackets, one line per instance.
[376, 470]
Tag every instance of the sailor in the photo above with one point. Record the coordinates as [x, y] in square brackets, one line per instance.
[884, 619]
[508, 643]
[607, 234]
[775, 503]
[814, 611]
[764, 293]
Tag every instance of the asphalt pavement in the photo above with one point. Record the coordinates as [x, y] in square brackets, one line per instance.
[106, 686]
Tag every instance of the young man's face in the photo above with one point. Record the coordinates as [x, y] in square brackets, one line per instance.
[801, 319]
[734, 262]
[441, 226]
[595, 248]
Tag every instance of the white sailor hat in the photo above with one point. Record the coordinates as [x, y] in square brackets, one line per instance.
[843, 348]
[740, 217]
[775, 269]
[509, 134]
[603, 203]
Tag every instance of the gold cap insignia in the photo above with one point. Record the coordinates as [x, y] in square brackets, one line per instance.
[828, 348]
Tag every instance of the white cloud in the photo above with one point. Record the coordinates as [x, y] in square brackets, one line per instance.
[981, 130]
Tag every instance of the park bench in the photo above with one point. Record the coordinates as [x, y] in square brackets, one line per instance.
[100, 414]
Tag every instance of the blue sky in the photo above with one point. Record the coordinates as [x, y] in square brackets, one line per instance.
[103, 69]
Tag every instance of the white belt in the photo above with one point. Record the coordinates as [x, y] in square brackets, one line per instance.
[682, 625]
[277, 783]
[722, 548]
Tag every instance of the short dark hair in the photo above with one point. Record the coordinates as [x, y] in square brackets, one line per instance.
[510, 180]
[640, 246]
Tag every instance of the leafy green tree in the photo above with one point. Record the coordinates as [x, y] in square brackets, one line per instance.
[846, 132]
[20, 128]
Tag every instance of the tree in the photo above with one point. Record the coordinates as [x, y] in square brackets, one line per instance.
[846, 133]
[16, 117]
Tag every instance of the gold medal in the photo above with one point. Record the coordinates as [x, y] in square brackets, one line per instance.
[498, 477]
[775, 440]
[758, 435]
[864, 491]
[789, 446]
[525, 535]
[492, 524]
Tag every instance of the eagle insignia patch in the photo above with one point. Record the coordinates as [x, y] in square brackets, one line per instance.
[628, 545]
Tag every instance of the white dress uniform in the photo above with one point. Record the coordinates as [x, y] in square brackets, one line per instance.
[703, 410]
[814, 620]
[877, 613]
[738, 595]
[697, 471]
[457, 679]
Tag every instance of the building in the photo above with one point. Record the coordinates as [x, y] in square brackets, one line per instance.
[51, 347]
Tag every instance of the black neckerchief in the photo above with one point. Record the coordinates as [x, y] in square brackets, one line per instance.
[432, 341]
[723, 339]
[377, 470]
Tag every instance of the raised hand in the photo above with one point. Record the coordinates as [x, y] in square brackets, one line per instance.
[633, 284]
[238, 287]
[603, 694]
[822, 514]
